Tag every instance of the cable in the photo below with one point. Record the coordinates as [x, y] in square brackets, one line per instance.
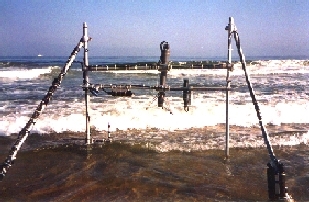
[265, 135]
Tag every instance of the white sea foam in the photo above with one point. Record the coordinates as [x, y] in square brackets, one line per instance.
[208, 109]
[23, 74]
[126, 113]
[195, 143]
[276, 67]
[256, 67]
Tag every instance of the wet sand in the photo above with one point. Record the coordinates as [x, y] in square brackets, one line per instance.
[125, 172]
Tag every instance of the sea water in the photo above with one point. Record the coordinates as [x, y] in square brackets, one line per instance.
[281, 87]
[280, 84]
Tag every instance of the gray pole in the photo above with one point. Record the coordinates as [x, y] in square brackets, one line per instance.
[230, 30]
[24, 133]
[85, 75]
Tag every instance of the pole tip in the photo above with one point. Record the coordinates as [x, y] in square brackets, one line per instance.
[85, 24]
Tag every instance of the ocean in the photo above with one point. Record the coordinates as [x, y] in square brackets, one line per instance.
[156, 154]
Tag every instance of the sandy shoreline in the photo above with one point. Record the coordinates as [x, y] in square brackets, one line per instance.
[123, 172]
[211, 137]
[181, 165]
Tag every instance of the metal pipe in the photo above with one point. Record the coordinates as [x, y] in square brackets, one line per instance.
[198, 89]
[164, 60]
[86, 82]
[163, 76]
[24, 133]
[161, 95]
[227, 126]
[160, 88]
[186, 95]
[124, 67]
[230, 29]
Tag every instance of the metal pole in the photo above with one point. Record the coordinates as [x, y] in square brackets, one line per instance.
[85, 75]
[230, 29]
[164, 58]
[24, 133]
[227, 126]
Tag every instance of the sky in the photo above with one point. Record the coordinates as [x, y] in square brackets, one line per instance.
[136, 27]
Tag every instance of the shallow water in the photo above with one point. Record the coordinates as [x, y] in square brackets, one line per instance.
[129, 172]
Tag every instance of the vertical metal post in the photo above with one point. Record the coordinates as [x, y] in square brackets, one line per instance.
[164, 59]
[85, 75]
[227, 126]
[186, 95]
[108, 132]
[230, 29]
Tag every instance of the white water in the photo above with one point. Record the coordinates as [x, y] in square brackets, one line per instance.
[208, 109]
[141, 114]
[13, 75]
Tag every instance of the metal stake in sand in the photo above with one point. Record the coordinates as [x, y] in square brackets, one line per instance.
[108, 132]
[230, 28]
[86, 83]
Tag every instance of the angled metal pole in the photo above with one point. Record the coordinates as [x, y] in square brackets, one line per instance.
[24, 133]
[275, 171]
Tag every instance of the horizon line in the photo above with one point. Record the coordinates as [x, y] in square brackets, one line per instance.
[216, 56]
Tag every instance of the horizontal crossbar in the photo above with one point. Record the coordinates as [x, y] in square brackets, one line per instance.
[123, 67]
[159, 88]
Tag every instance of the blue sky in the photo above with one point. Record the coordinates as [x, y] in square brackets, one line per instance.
[136, 27]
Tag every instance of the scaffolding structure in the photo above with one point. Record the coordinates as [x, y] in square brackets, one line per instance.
[275, 172]
[163, 67]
